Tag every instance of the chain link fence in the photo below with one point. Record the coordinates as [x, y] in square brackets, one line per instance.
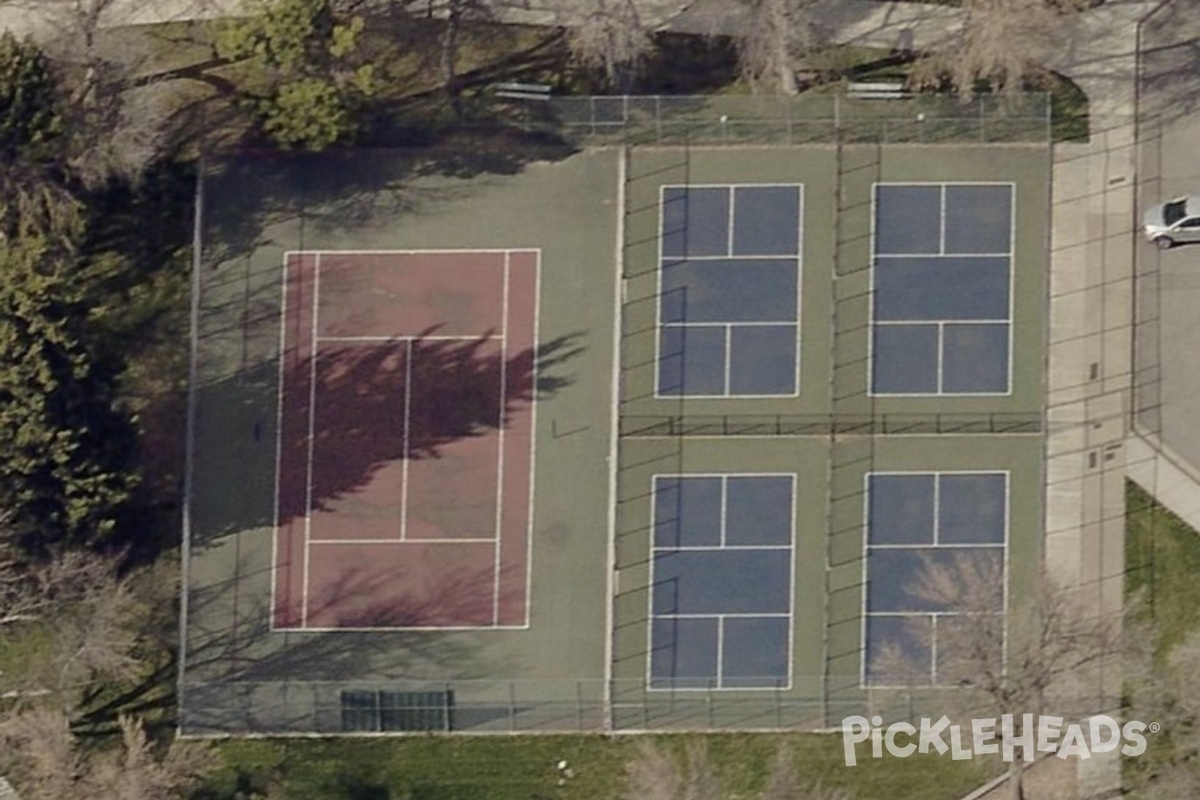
[811, 118]
[485, 706]
[558, 706]
[827, 424]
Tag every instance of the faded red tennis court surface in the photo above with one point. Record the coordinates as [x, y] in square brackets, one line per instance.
[405, 448]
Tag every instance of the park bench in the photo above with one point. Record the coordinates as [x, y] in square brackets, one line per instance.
[877, 91]
[523, 91]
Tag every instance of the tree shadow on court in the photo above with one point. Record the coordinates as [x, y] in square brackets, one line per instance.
[238, 415]
[378, 405]
[258, 199]
[244, 675]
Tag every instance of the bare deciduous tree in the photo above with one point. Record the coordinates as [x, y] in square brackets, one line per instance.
[455, 14]
[776, 36]
[1000, 45]
[78, 605]
[609, 37]
[82, 621]
[1043, 654]
[783, 782]
[655, 774]
[51, 764]
[116, 127]
[1160, 681]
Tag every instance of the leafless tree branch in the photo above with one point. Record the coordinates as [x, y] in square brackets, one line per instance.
[777, 36]
[608, 37]
[999, 45]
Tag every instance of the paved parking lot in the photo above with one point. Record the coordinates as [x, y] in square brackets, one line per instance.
[1167, 350]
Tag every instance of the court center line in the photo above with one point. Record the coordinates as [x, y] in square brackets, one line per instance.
[728, 354]
[942, 236]
[941, 344]
[724, 509]
[720, 649]
[937, 507]
[933, 649]
[406, 454]
[729, 224]
[312, 416]
[500, 448]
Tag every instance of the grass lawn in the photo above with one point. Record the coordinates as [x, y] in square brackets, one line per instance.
[1162, 559]
[524, 768]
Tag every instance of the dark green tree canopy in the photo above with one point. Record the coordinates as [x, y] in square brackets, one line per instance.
[301, 70]
[65, 447]
[30, 101]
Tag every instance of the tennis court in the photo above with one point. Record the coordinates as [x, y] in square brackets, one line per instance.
[421, 365]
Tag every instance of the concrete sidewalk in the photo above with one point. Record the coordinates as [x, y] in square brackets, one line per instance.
[46, 19]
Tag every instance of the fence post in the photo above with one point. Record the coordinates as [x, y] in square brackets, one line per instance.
[512, 707]
[579, 704]
[646, 709]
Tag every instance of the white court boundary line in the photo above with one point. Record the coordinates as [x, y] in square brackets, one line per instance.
[615, 407]
[865, 616]
[288, 255]
[790, 615]
[279, 447]
[464, 540]
[501, 406]
[485, 337]
[312, 416]
[533, 418]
